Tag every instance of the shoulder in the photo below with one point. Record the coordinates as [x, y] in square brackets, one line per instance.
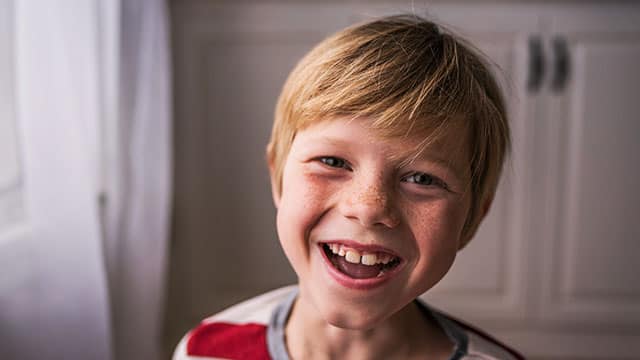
[238, 332]
[472, 343]
[481, 345]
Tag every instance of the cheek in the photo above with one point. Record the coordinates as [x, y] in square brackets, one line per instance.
[438, 233]
[303, 201]
[302, 195]
[439, 220]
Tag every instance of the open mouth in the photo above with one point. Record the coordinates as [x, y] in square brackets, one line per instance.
[360, 265]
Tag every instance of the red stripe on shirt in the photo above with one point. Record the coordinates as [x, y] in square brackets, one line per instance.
[230, 341]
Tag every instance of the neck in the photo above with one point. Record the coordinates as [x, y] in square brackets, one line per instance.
[406, 334]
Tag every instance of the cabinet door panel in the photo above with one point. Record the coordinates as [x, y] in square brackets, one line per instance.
[591, 253]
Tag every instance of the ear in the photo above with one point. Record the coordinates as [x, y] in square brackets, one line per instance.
[484, 210]
[275, 191]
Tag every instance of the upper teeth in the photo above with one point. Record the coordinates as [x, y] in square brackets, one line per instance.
[354, 257]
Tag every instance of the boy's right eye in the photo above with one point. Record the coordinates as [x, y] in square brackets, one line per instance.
[333, 161]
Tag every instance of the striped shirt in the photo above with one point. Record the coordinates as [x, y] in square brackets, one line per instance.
[254, 330]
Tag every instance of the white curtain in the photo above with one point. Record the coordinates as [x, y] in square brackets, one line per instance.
[137, 180]
[53, 288]
[90, 84]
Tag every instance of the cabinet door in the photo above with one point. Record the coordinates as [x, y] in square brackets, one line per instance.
[590, 255]
[590, 140]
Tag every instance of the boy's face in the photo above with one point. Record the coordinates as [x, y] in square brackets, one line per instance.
[395, 224]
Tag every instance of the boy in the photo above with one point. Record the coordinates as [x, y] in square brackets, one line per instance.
[387, 146]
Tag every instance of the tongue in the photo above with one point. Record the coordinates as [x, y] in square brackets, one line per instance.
[356, 271]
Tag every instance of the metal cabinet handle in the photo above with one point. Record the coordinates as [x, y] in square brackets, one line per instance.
[560, 64]
[536, 64]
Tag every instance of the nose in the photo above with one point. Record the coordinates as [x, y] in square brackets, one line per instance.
[371, 204]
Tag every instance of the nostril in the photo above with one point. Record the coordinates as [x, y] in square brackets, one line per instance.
[389, 219]
[393, 221]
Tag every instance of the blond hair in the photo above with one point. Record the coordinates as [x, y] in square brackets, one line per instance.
[413, 79]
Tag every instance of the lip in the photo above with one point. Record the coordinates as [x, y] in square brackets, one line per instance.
[359, 284]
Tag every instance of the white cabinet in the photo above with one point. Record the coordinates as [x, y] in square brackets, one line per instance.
[553, 269]
[590, 264]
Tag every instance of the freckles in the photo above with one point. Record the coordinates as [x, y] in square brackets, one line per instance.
[434, 224]
[369, 197]
[377, 193]
[424, 217]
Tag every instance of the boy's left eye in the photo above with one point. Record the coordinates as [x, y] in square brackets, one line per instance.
[423, 179]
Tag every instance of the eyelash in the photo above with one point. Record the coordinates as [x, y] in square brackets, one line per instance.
[338, 163]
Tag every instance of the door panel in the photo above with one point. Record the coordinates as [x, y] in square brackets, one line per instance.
[591, 261]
